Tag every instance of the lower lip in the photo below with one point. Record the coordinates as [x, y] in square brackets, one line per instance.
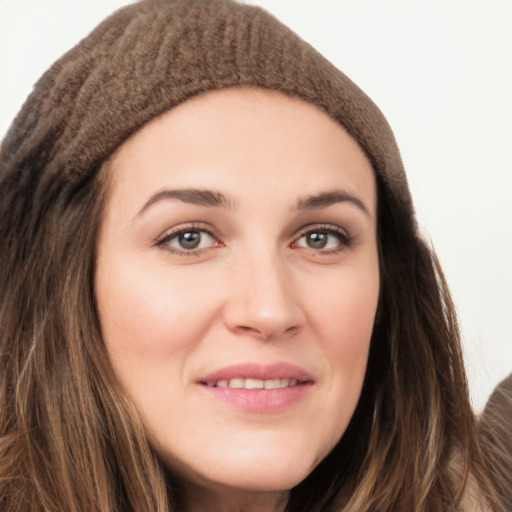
[261, 400]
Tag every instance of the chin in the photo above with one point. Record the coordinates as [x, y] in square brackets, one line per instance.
[268, 479]
[251, 479]
[250, 468]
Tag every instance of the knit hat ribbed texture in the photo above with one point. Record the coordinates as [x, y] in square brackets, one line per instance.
[150, 56]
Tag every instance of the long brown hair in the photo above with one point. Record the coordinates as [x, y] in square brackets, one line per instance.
[71, 440]
[412, 442]
[70, 437]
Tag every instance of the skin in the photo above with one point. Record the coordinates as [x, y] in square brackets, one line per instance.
[276, 277]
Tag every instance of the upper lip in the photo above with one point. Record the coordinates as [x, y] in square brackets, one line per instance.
[280, 370]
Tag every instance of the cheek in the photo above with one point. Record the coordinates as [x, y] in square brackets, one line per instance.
[142, 296]
[151, 326]
[345, 310]
[345, 319]
[149, 319]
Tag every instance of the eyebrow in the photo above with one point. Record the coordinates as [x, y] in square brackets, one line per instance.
[211, 198]
[330, 197]
[201, 197]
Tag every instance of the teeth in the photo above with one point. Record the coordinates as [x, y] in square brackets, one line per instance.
[236, 383]
[273, 384]
[240, 383]
[253, 384]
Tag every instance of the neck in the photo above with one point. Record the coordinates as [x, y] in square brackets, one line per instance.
[201, 500]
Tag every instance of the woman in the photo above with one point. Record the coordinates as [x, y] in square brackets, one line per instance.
[214, 295]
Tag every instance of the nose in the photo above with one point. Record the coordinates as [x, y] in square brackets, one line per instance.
[264, 302]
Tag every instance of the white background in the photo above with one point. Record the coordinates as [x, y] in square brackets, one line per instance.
[441, 70]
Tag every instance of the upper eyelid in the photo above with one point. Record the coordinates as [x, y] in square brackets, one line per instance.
[182, 228]
[202, 226]
[346, 238]
[322, 227]
[211, 231]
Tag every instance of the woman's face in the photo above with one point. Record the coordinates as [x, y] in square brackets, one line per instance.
[237, 283]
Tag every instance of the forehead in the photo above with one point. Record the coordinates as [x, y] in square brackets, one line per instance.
[239, 139]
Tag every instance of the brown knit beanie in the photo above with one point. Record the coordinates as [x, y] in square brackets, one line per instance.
[150, 56]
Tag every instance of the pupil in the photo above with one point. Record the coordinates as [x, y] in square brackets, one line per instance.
[189, 240]
[317, 240]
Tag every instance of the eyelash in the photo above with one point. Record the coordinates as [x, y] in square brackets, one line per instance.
[196, 227]
[345, 240]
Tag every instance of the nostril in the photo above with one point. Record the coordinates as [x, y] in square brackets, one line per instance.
[292, 330]
[253, 331]
[266, 334]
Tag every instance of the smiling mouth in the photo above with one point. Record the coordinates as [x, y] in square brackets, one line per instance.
[241, 383]
[259, 388]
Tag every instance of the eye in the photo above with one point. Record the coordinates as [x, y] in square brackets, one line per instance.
[187, 240]
[324, 239]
